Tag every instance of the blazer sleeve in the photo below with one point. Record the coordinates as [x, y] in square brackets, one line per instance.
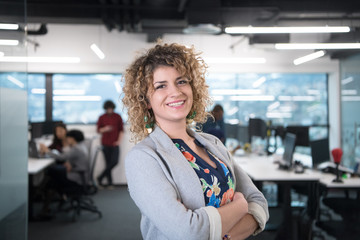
[257, 203]
[159, 203]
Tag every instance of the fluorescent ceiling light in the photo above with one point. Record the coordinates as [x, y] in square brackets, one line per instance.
[297, 98]
[15, 81]
[251, 30]
[350, 98]
[259, 82]
[349, 92]
[1, 54]
[253, 98]
[235, 60]
[347, 80]
[309, 57]
[9, 26]
[69, 92]
[273, 106]
[97, 51]
[278, 115]
[78, 98]
[41, 59]
[9, 42]
[288, 46]
[38, 90]
[236, 91]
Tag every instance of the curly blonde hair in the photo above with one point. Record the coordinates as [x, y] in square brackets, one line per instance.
[138, 82]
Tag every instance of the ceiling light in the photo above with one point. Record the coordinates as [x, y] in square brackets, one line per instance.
[95, 98]
[97, 51]
[309, 57]
[347, 80]
[252, 30]
[236, 92]
[15, 81]
[259, 82]
[69, 92]
[41, 59]
[235, 60]
[9, 26]
[2, 54]
[278, 115]
[9, 42]
[202, 29]
[292, 46]
[253, 98]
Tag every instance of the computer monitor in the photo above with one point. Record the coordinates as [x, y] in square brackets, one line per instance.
[257, 127]
[289, 148]
[38, 129]
[320, 151]
[302, 135]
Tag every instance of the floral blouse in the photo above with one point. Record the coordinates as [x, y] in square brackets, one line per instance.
[217, 183]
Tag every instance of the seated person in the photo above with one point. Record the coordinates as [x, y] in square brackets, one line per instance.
[73, 169]
[59, 142]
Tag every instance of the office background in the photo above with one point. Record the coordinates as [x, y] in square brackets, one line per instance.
[120, 47]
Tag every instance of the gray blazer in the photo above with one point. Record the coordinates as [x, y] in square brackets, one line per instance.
[169, 194]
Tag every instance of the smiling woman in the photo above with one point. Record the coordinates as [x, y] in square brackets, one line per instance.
[187, 174]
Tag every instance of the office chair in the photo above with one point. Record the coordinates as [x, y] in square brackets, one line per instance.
[348, 209]
[79, 196]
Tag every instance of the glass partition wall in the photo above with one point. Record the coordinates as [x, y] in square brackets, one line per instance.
[13, 131]
[350, 114]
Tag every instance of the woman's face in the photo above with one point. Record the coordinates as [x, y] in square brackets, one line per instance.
[172, 98]
[60, 132]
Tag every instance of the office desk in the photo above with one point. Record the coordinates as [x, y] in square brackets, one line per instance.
[350, 183]
[262, 169]
[36, 167]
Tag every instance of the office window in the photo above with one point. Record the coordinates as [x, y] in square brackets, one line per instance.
[283, 98]
[36, 97]
[350, 115]
[79, 98]
[13, 80]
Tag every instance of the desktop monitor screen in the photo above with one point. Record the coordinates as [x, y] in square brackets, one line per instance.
[320, 151]
[38, 129]
[257, 127]
[289, 147]
[302, 134]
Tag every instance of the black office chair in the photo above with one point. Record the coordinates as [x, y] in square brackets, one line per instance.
[79, 197]
[348, 209]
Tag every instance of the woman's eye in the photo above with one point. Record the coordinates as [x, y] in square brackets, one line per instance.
[183, 81]
[159, 86]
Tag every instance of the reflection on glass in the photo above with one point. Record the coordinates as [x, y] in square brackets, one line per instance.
[350, 116]
[285, 99]
[79, 98]
[36, 97]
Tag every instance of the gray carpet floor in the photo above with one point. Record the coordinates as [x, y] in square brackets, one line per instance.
[120, 221]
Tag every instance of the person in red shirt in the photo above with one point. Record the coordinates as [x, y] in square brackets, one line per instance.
[110, 126]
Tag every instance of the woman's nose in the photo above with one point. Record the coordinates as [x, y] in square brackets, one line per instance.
[174, 90]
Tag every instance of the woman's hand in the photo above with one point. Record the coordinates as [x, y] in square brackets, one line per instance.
[239, 197]
[233, 212]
